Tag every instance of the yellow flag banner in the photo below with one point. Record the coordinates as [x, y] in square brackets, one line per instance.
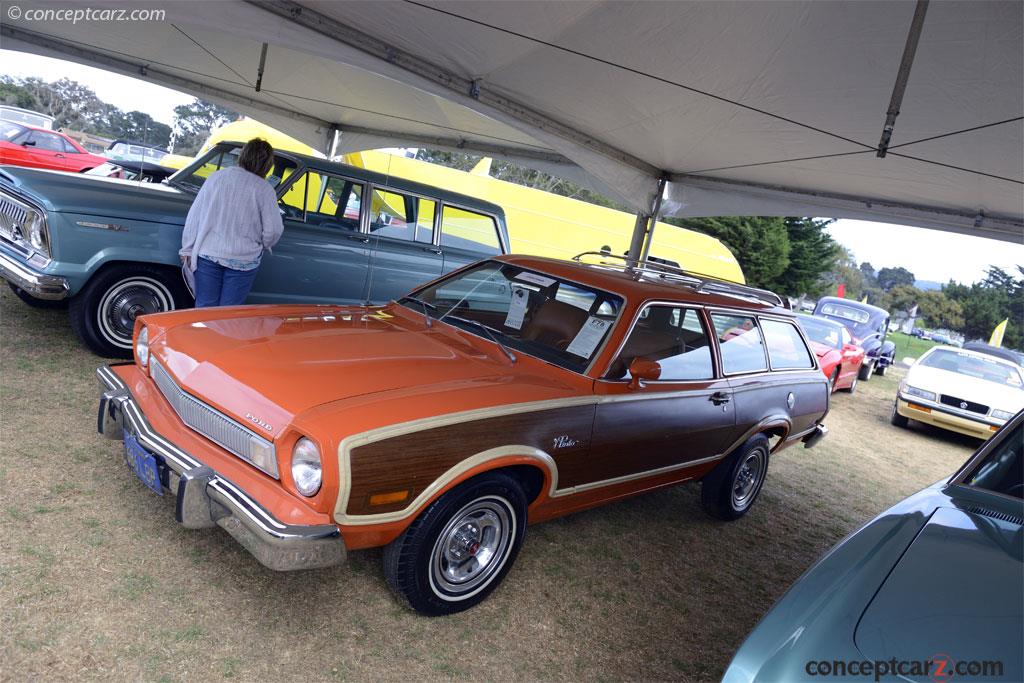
[997, 334]
[865, 299]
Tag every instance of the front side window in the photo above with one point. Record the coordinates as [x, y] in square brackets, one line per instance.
[741, 343]
[786, 348]
[403, 217]
[47, 141]
[464, 229]
[526, 311]
[672, 336]
[1002, 470]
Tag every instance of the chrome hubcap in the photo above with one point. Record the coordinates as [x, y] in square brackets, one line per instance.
[473, 546]
[748, 479]
[127, 300]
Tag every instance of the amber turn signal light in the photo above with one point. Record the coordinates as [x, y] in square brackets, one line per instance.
[388, 498]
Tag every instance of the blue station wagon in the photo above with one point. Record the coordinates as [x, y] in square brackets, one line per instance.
[108, 248]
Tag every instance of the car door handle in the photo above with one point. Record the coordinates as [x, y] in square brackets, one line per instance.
[59, 156]
[719, 398]
[433, 250]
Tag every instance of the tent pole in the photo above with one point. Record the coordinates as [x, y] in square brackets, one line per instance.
[639, 231]
[653, 220]
[643, 229]
[902, 76]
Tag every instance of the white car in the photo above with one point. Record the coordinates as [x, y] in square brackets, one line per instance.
[964, 391]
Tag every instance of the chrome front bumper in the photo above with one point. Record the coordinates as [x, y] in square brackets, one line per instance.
[37, 284]
[205, 498]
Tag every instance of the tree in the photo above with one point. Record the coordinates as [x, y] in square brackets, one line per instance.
[193, 123]
[760, 244]
[870, 276]
[998, 297]
[845, 272]
[938, 310]
[17, 95]
[891, 277]
[812, 253]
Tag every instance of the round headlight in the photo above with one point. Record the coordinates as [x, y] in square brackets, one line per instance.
[306, 472]
[142, 347]
[33, 229]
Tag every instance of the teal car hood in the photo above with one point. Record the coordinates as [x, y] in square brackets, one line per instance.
[95, 196]
[957, 591]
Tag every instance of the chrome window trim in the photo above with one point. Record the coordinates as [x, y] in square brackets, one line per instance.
[799, 332]
[498, 224]
[157, 369]
[435, 227]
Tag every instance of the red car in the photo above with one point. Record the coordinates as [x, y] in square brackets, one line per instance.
[840, 359]
[41, 148]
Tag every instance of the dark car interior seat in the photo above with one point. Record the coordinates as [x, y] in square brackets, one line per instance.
[655, 337]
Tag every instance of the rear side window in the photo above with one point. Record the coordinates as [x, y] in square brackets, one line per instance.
[741, 343]
[333, 202]
[464, 229]
[786, 348]
[402, 217]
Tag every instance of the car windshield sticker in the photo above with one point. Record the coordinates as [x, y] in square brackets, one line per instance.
[589, 336]
[517, 307]
[536, 279]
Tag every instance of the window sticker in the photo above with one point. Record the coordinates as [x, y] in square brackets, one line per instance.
[589, 336]
[517, 307]
[536, 279]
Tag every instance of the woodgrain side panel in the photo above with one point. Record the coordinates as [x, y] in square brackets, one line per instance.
[413, 461]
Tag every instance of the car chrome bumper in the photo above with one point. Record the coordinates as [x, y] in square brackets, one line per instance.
[939, 415]
[39, 285]
[817, 434]
[205, 498]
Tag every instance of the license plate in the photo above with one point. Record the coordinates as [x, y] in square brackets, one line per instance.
[143, 463]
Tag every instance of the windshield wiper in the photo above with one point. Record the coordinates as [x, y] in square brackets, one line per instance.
[427, 307]
[491, 333]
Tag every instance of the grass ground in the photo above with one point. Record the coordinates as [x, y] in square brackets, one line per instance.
[907, 346]
[97, 581]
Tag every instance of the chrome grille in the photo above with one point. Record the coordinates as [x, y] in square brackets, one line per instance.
[11, 215]
[212, 424]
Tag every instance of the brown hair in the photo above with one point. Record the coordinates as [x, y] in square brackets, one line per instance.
[257, 157]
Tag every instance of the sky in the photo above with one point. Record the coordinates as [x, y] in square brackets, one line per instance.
[928, 254]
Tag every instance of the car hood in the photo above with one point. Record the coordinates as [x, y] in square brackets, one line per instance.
[270, 368]
[956, 591]
[98, 196]
[999, 396]
[821, 350]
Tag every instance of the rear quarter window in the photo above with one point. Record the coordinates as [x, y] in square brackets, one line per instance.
[786, 348]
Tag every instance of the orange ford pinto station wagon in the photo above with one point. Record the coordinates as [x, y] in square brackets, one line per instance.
[511, 391]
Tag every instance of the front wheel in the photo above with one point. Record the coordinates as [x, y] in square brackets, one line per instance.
[730, 489]
[103, 313]
[865, 370]
[853, 385]
[881, 369]
[460, 548]
[896, 419]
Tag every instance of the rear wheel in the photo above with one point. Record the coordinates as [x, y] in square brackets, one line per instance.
[103, 313]
[897, 419]
[832, 381]
[853, 385]
[33, 301]
[730, 489]
[880, 370]
[460, 548]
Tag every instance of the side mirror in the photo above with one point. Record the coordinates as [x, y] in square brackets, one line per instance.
[29, 143]
[643, 370]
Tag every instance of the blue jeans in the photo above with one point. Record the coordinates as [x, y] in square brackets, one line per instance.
[220, 286]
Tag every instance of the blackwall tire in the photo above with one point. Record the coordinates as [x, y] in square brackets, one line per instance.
[460, 548]
[852, 389]
[731, 489]
[896, 419]
[865, 371]
[103, 313]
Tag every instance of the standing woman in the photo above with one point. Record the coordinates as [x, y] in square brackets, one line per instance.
[233, 219]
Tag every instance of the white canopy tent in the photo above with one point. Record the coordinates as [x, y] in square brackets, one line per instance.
[718, 108]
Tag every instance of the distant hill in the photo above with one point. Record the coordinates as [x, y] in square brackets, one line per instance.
[927, 284]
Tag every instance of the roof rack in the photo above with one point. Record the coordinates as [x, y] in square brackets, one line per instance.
[700, 282]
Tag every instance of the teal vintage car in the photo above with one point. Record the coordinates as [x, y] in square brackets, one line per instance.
[930, 590]
[109, 247]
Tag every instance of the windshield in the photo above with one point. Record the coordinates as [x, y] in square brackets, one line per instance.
[557, 321]
[988, 369]
[9, 131]
[192, 177]
[823, 332]
[858, 321]
[1002, 470]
